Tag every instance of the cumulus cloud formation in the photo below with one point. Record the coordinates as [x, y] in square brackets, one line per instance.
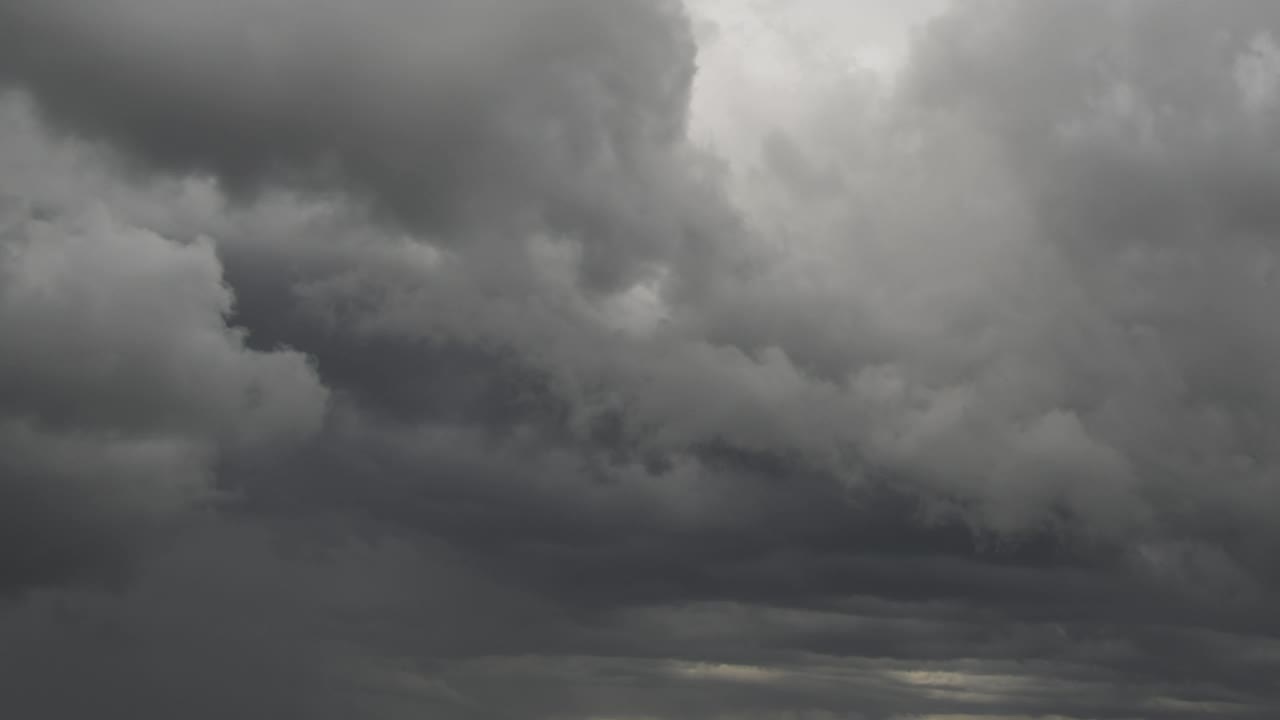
[122, 384]
[567, 359]
[475, 119]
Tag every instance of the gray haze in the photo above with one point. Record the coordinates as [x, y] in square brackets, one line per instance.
[531, 359]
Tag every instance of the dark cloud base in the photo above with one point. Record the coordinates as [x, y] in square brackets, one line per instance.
[416, 360]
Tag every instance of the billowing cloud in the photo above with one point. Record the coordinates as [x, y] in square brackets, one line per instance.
[122, 386]
[476, 119]
[565, 359]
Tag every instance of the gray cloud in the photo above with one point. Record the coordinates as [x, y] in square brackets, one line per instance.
[473, 366]
[121, 386]
[475, 119]
[1133, 157]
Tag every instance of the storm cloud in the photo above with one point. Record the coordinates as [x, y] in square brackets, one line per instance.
[577, 360]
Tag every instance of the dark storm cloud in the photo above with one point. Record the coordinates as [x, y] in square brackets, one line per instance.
[479, 119]
[464, 385]
[233, 619]
[1141, 133]
[120, 385]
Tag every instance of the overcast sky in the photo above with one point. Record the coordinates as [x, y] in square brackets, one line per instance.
[639, 360]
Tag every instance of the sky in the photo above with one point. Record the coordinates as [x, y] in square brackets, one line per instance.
[639, 360]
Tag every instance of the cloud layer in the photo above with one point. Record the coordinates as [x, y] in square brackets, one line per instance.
[566, 359]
